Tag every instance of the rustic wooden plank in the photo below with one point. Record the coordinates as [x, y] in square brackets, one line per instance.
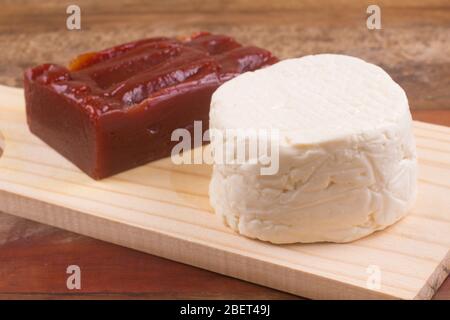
[124, 273]
[108, 271]
[130, 210]
[412, 46]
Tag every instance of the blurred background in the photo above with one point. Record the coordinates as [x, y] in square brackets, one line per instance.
[413, 44]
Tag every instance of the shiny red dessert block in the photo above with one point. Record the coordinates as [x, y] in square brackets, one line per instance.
[116, 109]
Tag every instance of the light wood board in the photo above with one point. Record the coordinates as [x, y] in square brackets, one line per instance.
[163, 209]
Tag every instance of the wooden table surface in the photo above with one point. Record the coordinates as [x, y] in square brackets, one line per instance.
[413, 46]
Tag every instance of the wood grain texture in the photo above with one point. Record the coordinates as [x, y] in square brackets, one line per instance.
[163, 209]
[412, 46]
[34, 258]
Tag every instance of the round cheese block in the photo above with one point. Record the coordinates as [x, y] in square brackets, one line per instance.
[345, 159]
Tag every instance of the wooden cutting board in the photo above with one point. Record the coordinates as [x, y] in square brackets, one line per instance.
[163, 209]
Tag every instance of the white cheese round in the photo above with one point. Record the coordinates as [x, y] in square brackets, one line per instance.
[347, 157]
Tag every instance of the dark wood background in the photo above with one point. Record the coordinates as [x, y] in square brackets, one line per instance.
[413, 46]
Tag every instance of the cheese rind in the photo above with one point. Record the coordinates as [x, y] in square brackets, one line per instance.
[347, 158]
